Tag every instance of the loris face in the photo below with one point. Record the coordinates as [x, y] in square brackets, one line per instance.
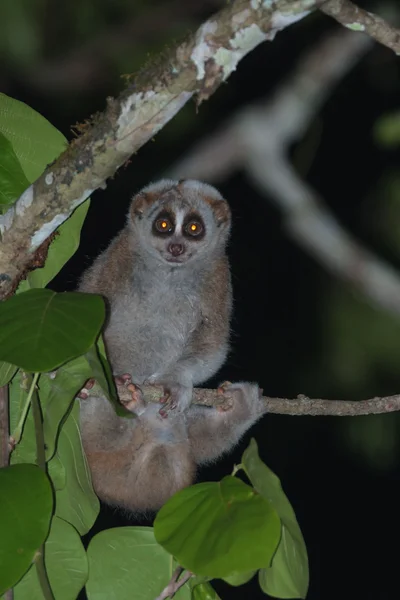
[178, 222]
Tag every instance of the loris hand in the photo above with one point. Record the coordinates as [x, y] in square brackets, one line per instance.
[136, 403]
[177, 396]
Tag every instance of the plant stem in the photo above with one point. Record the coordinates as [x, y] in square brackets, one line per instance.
[4, 427]
[41, 461]
[42, 575]
[20, 425]
[37, 419]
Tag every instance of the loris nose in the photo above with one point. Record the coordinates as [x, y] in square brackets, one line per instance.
[176, 249]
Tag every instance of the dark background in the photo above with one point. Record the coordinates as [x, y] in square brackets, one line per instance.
[296, 329]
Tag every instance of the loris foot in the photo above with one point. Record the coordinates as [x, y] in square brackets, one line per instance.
[84, 393]
[135, 403]
[177, 397]
[241, 393]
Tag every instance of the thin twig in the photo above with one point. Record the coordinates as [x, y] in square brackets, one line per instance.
[175, 584]
[300, 406]
[357, 19]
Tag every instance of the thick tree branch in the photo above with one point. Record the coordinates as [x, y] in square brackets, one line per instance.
[300, 406]
[196, 67]
[357, 19]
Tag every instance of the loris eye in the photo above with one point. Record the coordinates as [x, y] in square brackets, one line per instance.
[163, 225]
[194, 228]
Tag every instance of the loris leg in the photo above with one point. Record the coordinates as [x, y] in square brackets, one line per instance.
[213, 432]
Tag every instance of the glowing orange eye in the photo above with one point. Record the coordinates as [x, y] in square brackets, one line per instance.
[163, 225]
[194, 228]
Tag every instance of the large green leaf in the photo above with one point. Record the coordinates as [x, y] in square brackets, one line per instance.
[12, 178]
[60, 251]
[76, 502]
[217, 529]
[26, 503]
[101, 370]
[34, 140]
[40, 329]
[57, 390]
[66, 566]
[288, 575]
[127, 563]
[25, 451]
[102, 373]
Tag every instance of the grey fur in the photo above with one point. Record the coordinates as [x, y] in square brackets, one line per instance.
[168, 323]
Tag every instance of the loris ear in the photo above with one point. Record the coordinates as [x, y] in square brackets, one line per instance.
[141, 202]
[221, 210]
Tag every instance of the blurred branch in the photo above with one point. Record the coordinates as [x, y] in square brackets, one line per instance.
[257, 139]
[357, 19]
[195, 68]
[300, 406]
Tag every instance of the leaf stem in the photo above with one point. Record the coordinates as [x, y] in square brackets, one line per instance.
[20, 425]
[38, 422]
[4, 427]
[42, 575]
[41, 461]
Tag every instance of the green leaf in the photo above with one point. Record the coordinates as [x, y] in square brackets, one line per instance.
[240, 578]
[12, 178]
[40, 329]
[57, 391]
[57, 474]
[26, 503]
[126, 563]
[7, 372]
[60, 251]
[34, 140]
[66, 566]
[216, 529]
[102, 373]
[76, 503]
[101, 370]
[288, 575]
[204, 591]
[25, 451]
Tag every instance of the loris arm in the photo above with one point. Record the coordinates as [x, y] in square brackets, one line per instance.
[208, 345]
[213, 432]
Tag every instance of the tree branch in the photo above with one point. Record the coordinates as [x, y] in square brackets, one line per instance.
[300, 406]
[196, 67]
[357, 19]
